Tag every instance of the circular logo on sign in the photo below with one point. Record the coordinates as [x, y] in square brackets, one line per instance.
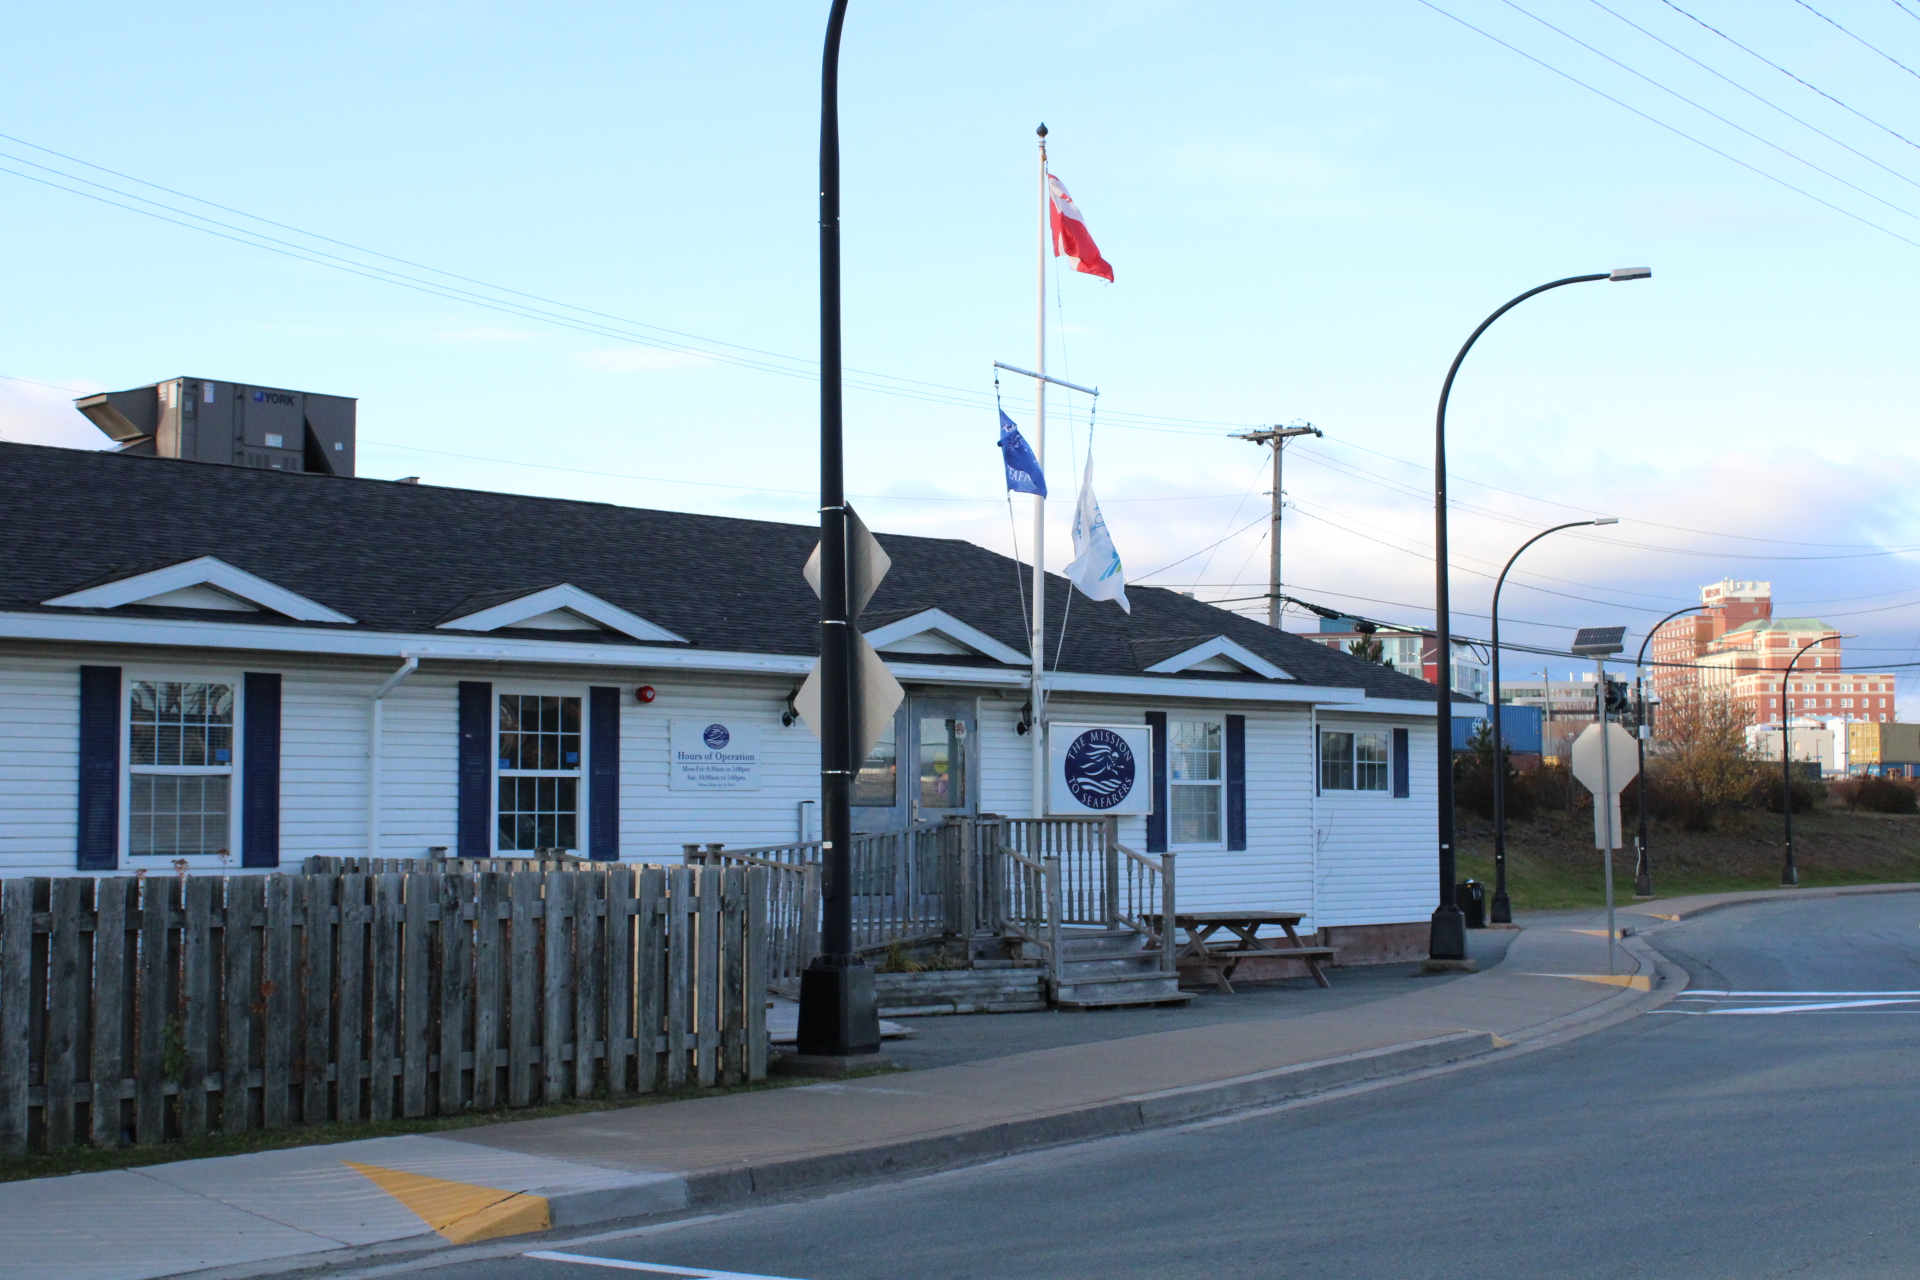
[716, 737]
[1099, 768]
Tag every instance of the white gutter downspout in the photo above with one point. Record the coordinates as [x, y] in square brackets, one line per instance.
[407, 668]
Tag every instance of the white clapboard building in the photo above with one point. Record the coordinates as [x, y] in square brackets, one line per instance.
[211, 667]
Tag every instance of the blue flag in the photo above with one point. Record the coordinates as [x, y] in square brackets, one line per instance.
[1023, 469]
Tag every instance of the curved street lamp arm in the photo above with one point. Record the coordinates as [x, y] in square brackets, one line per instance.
[1654, 630]
[1446, 388]
[1501, 581]
[1448, 937]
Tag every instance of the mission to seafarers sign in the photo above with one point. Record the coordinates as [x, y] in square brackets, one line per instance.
[1103, 769]
[715, 755]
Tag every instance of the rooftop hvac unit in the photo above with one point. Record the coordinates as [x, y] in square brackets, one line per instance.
[200, 420]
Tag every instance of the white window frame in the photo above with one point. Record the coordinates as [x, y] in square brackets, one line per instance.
[232, 678]
[1319, 778]
[1219, 721]
[536, 689]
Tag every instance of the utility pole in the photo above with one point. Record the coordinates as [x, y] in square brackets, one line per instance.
[1277, 438]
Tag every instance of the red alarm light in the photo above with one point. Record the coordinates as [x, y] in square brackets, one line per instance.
[645, 693]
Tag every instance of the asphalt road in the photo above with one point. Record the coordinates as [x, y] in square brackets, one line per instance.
[1750, 1135]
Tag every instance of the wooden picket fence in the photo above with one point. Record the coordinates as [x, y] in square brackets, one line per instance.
[157, 1009]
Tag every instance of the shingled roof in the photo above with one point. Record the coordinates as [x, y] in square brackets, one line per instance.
[406, 557]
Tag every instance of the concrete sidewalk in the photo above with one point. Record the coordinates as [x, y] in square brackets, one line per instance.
[282, 1210]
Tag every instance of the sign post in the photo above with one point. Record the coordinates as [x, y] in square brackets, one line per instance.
[1604, 761]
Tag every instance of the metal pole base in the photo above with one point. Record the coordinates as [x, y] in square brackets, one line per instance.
[839, 1014]
[1501, 912]
[1643, 885]
[1448, 937]
[1790, 877]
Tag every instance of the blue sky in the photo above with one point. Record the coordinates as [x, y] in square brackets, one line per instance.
[1307, 205]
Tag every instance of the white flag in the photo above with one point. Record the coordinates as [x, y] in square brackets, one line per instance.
[1096, 565]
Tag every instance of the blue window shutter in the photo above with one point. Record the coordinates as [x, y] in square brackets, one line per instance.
[1236, 782]
[97, 846]
[1402, 784]
[603, 768]
[260, 770]
[1157, 820]
[475, 838]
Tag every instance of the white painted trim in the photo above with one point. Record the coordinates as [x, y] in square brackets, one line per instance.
[206, 571]
[1147, 686]
[564, 596]
[201, 633]
[1220, 647]
[1400, 708]
[943, 623]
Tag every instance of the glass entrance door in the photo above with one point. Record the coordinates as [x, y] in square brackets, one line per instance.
[925, 767]
[944, 758]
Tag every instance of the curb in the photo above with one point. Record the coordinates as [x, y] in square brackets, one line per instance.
[654, 1195]
[1102, 1120]
[1777, 895]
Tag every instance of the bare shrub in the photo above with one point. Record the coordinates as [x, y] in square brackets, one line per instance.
[1702, 765]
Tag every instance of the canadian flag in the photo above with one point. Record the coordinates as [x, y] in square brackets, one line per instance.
[1071, 239]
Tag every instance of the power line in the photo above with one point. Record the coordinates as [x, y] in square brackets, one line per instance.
[1594, 511]
[1673, 129]
[1868, 43]
[1755, 96]
[597, 323]
[1512, 4]
[1790, 75]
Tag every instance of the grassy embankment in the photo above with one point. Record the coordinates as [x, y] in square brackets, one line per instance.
[1552, 862]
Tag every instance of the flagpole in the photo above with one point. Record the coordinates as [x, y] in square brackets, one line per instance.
[1038, 649]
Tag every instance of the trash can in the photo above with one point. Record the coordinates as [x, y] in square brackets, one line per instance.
[1471, 897]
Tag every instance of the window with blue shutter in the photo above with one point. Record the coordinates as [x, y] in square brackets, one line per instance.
[260, 769]
[1236, 782]
[1157, 820]
[603, 774]
[1402, 784]
[97, 846]
[475, 807]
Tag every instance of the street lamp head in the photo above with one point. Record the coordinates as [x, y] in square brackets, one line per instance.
[1631, 273]
[1605, 520]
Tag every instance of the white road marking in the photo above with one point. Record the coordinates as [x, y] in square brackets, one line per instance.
[1808, 1008]
[1776, 995]
[655, 1268]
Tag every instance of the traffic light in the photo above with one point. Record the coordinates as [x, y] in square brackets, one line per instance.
[1618, 703]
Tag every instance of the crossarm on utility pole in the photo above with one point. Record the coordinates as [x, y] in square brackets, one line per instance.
[1047, 377]
[1276, 437]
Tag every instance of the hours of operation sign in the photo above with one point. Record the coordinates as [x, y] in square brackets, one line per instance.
[714, 754]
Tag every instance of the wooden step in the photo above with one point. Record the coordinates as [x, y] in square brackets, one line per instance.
[1143, 988]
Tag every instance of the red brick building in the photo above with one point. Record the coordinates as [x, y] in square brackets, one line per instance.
[1736, 645]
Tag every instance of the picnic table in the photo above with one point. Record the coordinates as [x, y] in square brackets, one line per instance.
[1219, 959]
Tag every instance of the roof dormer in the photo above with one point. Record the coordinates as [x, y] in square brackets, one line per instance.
[934, 632]
[204, 583]
[563, 607]
[1215, 653]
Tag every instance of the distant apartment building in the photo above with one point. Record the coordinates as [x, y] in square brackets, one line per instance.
[1410, 653]
[1737, 647]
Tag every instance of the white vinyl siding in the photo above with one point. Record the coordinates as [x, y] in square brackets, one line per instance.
[39, 766]
[1377, 861]
[1358, 857]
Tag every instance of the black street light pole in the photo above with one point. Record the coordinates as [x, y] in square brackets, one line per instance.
[1642, 863]
[1447, 939]
[1502, 910]
[1789, 874]
[838, 1017]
